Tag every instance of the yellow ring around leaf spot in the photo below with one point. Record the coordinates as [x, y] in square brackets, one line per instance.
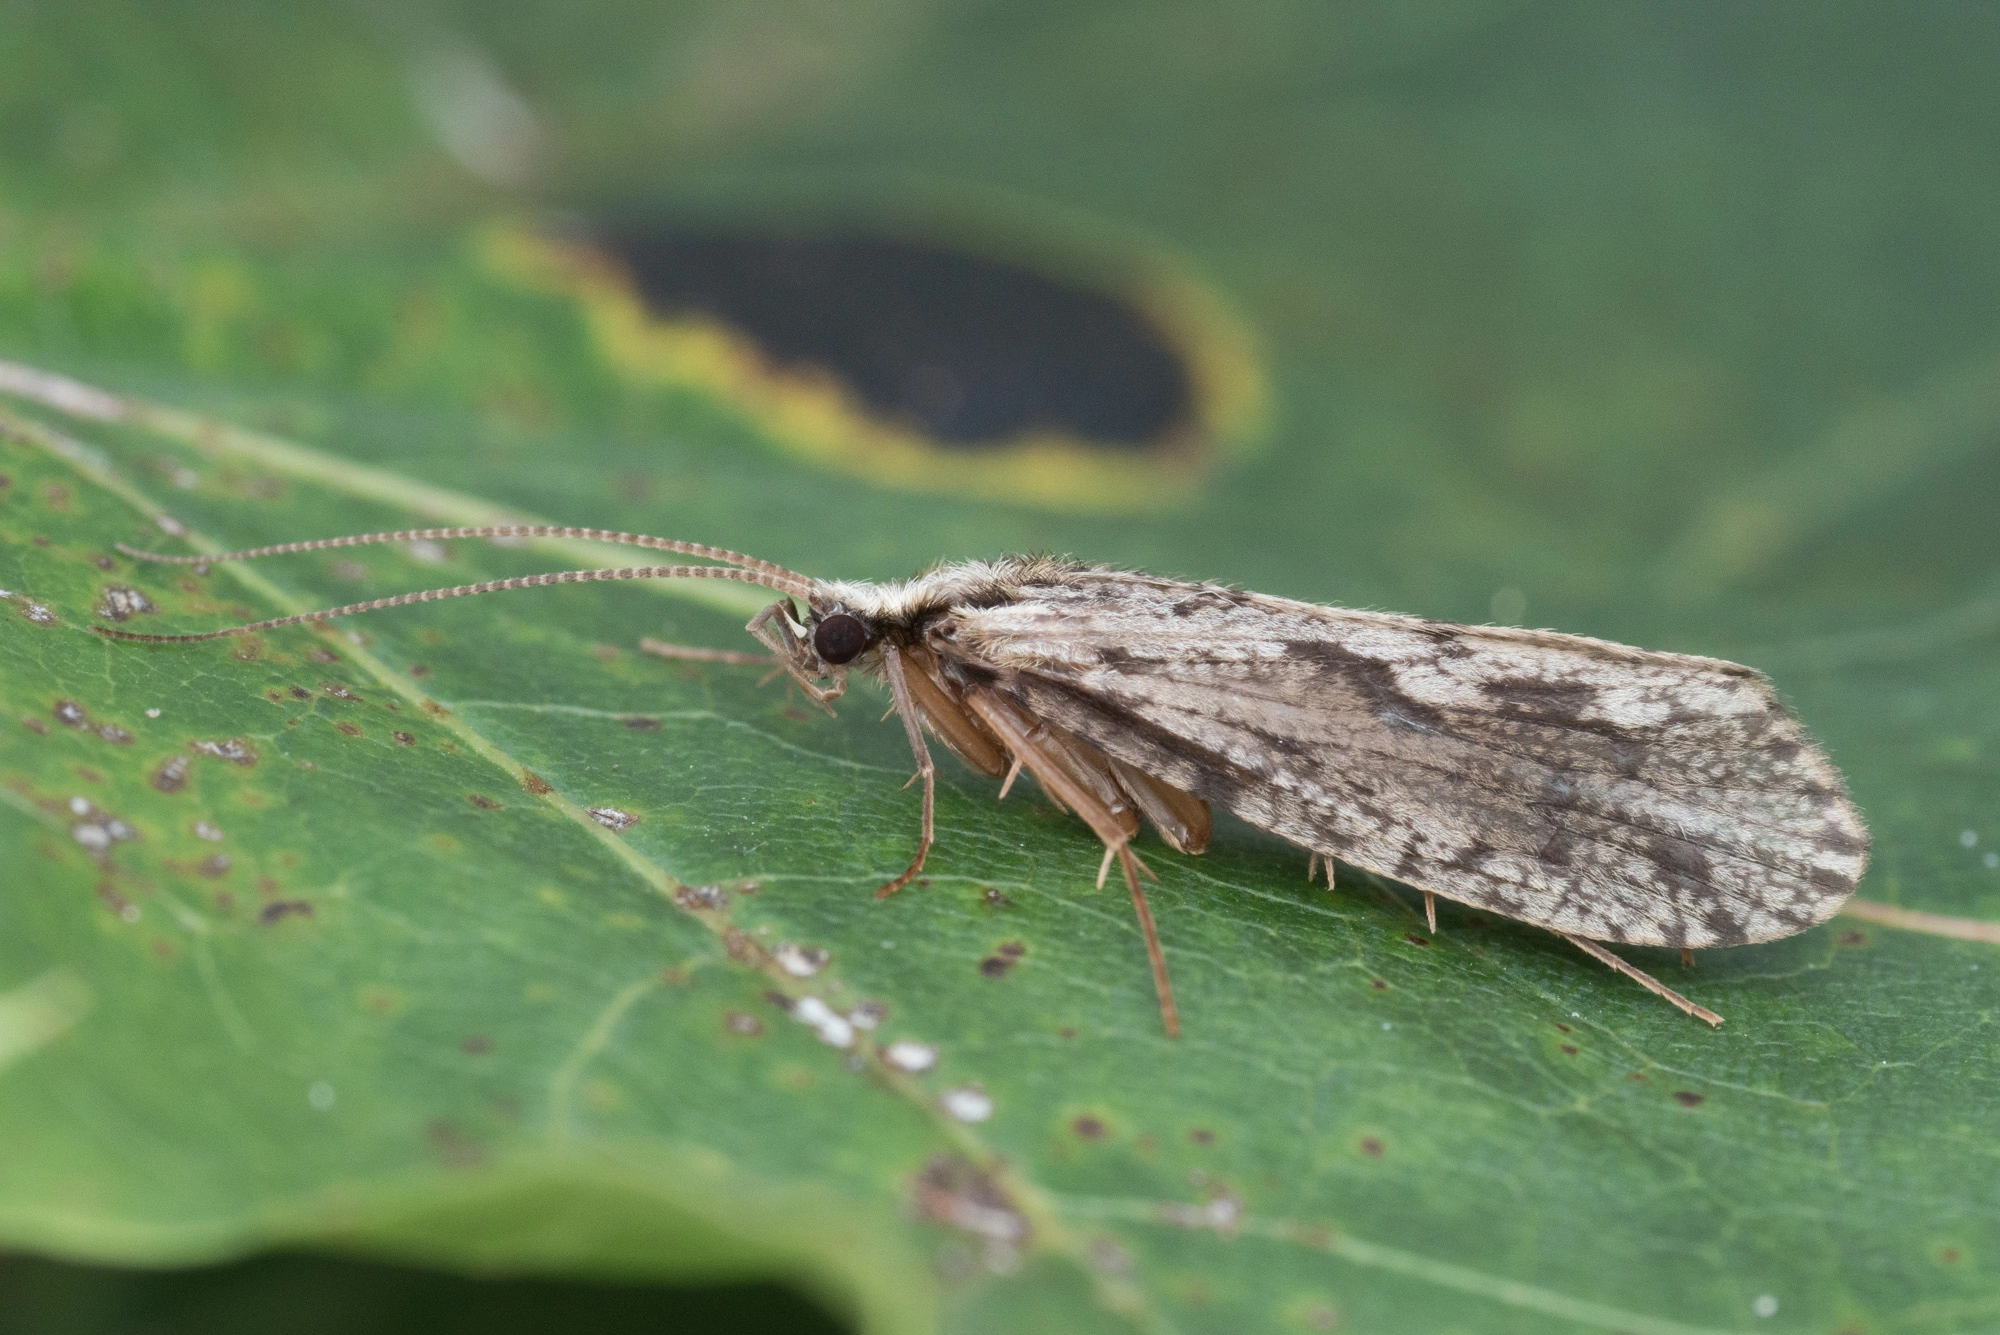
[813, 415]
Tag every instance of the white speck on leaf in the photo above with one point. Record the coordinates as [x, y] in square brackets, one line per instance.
[1766, 1305]
[968, 1103]
[611, 818]
[152, 713]
[320, 1095]
[79, 806]
[430, 553]
[831, 1026]
[93, 837]
[907, 1054]
[1968, 838]
[130, 913]
[800, 961]
[203, 830]
[171, 526]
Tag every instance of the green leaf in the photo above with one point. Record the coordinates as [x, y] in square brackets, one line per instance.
[1601, 319]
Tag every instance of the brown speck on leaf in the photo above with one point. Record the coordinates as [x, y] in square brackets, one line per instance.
[234, 750]
[1372, 1147]
[246, 651]
[453, 1146]
[88, 775]
[56, 494]
[483, 802]
[301, 693]
[321, 654]
[476, 1045]
[1416, 940]
[1569, 1049]
[606, 652]
[1201, 1135]
[993, 966]
[638, 723]
[103, 562]
[280, 909]
[225, 902]
[172, 775]
[611, 818]
[1565, 1028]
[419, 670]
[954, 1191]
[122, 602]
[738, 1022]
[702, 897]
[40, 541]
[276, 699]
[404, 738]
[35, 725]
[1013, 950]
[1066, 1032]
[992, 898]
[1378, 985]
[744, 950]
[1688, 1098]
[1089, 1128]
[1638, 1075]
[71, 714]
[1949, 1255]
[215, 864]
[1851, 939]
[266, 886]
[772, 995]
[535, 783]
[349, 729]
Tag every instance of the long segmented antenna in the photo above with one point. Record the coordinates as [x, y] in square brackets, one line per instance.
[769, 581]
[490, 531]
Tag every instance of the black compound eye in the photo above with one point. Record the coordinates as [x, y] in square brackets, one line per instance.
[840, 638]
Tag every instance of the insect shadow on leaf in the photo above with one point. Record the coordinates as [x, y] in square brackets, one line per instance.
[1604, 792]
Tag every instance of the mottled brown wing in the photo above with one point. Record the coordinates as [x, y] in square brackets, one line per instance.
[1588, 787]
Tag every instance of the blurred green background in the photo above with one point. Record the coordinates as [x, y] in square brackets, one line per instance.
[1674, 324]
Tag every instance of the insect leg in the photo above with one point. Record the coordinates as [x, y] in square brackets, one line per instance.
[1642, 978]
[1431, 911]
[1312, 867]
[899, 688]
[1687, 958]
[1060, 783]
[788, 645]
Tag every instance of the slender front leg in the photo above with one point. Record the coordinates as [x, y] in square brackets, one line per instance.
[899, 689]
[1051, 771]
[788, 642]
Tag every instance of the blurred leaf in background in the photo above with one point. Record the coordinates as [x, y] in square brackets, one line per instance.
[476, 938]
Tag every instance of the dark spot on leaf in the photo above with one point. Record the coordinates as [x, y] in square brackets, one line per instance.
[1416, 940]
[995, 967]
[122, 602]
[972, 350]
[477, 1045]
[349, 729]
[1013, 950]
[319, 654]
[172, 775]
[215, 864]
[1569, 1049]
[1688, 1098]
[1474, 920]
[1949, 1255]
[1066, 1032]
[279, 909]
[1565, 1028]
[1638, 1075]
[483, 802]
[1201, 1135]
[992, 898]
[1851, 939]
[35, 725]
[739, 1022]
[777, 998]
[638, 723]
[1372, 1147]
[419, 670]
[1090, 1128]
[88, 775]
[1378, 984]
[301, 693]
[954, 1191]
[404, 738]
[71, 714]
[535, 783]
